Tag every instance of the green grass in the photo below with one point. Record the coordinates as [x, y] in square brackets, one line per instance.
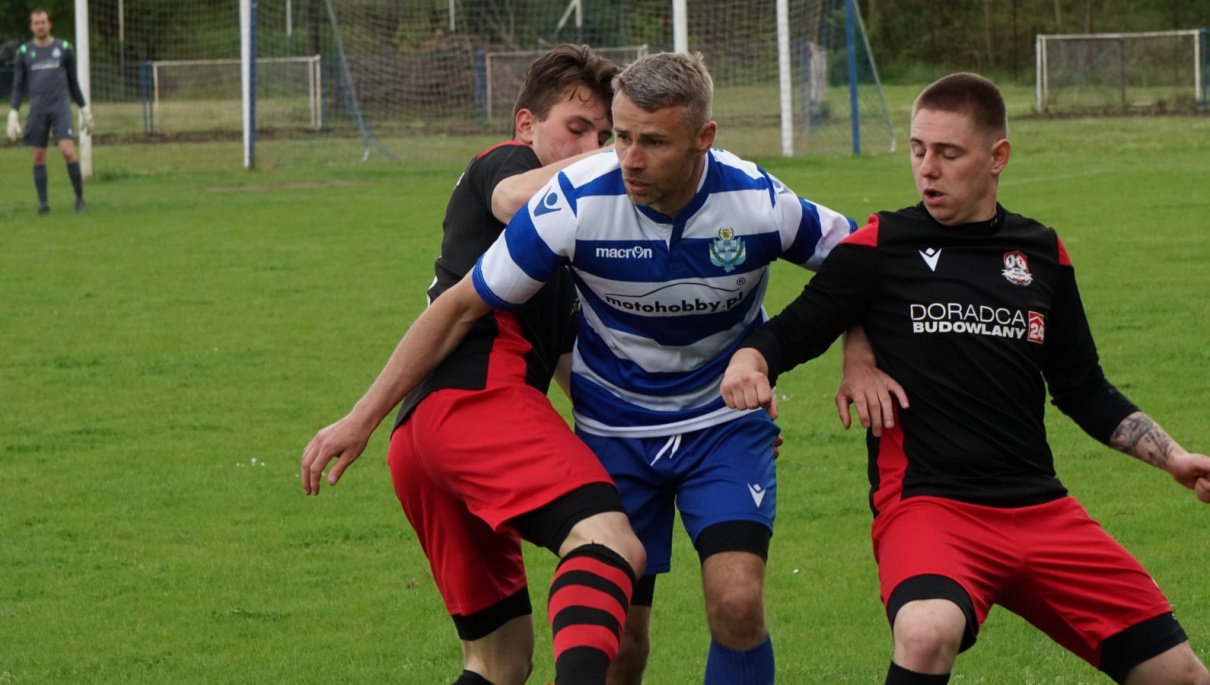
[167, 355]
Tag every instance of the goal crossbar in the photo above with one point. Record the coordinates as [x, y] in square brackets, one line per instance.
[314, 76]
[1197, 36]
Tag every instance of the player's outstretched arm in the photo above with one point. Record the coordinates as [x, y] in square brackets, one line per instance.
[512, 193]
[866, 387]
[746, 381]
[1142, 438]
[431, 339]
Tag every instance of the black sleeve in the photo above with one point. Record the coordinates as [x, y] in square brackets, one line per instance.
[1077, 384]
[835, 298]
[73, 83]
[18, 80]
[500, 163]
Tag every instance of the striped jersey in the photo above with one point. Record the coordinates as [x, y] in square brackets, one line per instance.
[664, 301]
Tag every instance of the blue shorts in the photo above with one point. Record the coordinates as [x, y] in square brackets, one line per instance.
[716, 475]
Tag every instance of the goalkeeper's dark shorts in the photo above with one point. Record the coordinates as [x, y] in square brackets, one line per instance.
[40, 123]
[468, 465]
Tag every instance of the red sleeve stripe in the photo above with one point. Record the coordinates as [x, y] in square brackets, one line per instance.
[498, 145]
[1064, 260]
[867, 236]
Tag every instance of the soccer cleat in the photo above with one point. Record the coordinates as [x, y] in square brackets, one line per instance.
[42, 209]
[80, 206]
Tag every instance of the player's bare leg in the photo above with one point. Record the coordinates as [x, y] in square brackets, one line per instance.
[628, 667]
[928, 634]
[741, 650]
[1177, 666]
[503, 657]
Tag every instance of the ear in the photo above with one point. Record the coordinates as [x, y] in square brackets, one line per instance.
[523, 126]
[705, 137]
[1001, 151]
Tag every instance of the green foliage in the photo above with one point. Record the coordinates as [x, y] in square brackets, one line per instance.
[168, 355]
[997, 37]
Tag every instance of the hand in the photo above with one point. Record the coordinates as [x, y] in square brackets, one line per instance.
[85, 120]
[746, 382]
[1192, 471]
[14, 126]
[344, 441]
[779, 440]
[870, 390]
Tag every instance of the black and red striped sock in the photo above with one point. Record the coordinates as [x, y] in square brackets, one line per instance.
[589, 597]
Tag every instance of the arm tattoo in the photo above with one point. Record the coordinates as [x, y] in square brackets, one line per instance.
[1143, 439]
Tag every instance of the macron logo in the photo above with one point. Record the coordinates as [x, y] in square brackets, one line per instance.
[549, 204]
[758, 493]
[930, 257]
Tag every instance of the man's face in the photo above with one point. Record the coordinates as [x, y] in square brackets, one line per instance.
[956, 166]
[575, 124]
[659, 154]
[39, 25]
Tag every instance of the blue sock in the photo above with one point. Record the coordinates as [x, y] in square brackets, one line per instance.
[726, 666]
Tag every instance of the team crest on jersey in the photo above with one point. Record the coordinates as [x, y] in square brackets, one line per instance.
[1016, 268]
[727, 250]
[56, 54]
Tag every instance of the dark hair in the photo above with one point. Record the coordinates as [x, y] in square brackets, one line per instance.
[969, 94]
[39, 10]
[559, 72]
[670, 79]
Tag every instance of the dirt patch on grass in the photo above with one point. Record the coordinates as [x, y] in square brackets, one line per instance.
[267, 187]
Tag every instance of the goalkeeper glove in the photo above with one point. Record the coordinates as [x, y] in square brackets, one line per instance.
[14, 126]
[85, 120]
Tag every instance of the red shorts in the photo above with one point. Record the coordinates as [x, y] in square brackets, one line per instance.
[1049, 563]
[468, 461]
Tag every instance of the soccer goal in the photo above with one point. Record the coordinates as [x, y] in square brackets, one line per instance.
[503, 73]
[348, 80]
[203, 95]
[1156, 71]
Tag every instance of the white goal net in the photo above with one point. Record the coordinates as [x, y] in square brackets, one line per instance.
[433, 80]
[1158, 71]
[203, 95]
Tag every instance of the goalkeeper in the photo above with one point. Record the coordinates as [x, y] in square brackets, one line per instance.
[45, 68]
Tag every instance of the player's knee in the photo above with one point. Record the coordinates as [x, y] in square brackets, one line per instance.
[736, 614]
[926, 640]
[611, 529]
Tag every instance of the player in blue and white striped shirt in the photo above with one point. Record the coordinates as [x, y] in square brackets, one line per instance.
[669, 242]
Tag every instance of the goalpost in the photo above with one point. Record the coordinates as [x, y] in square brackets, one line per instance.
[346, 80]
[1153, 71]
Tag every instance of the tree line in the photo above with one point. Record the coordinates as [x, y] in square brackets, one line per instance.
[910, 39]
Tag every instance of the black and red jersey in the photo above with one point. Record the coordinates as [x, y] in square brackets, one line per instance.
[522, 345]
[976, 322]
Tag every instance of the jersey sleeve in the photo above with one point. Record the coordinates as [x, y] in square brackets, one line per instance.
[1071, 366]
[73, 81]
[499, 163]
[537, 242]
[19, 78]
[809, 230]
[834, 299]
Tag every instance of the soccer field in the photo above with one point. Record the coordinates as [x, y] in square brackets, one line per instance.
[167, 355]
